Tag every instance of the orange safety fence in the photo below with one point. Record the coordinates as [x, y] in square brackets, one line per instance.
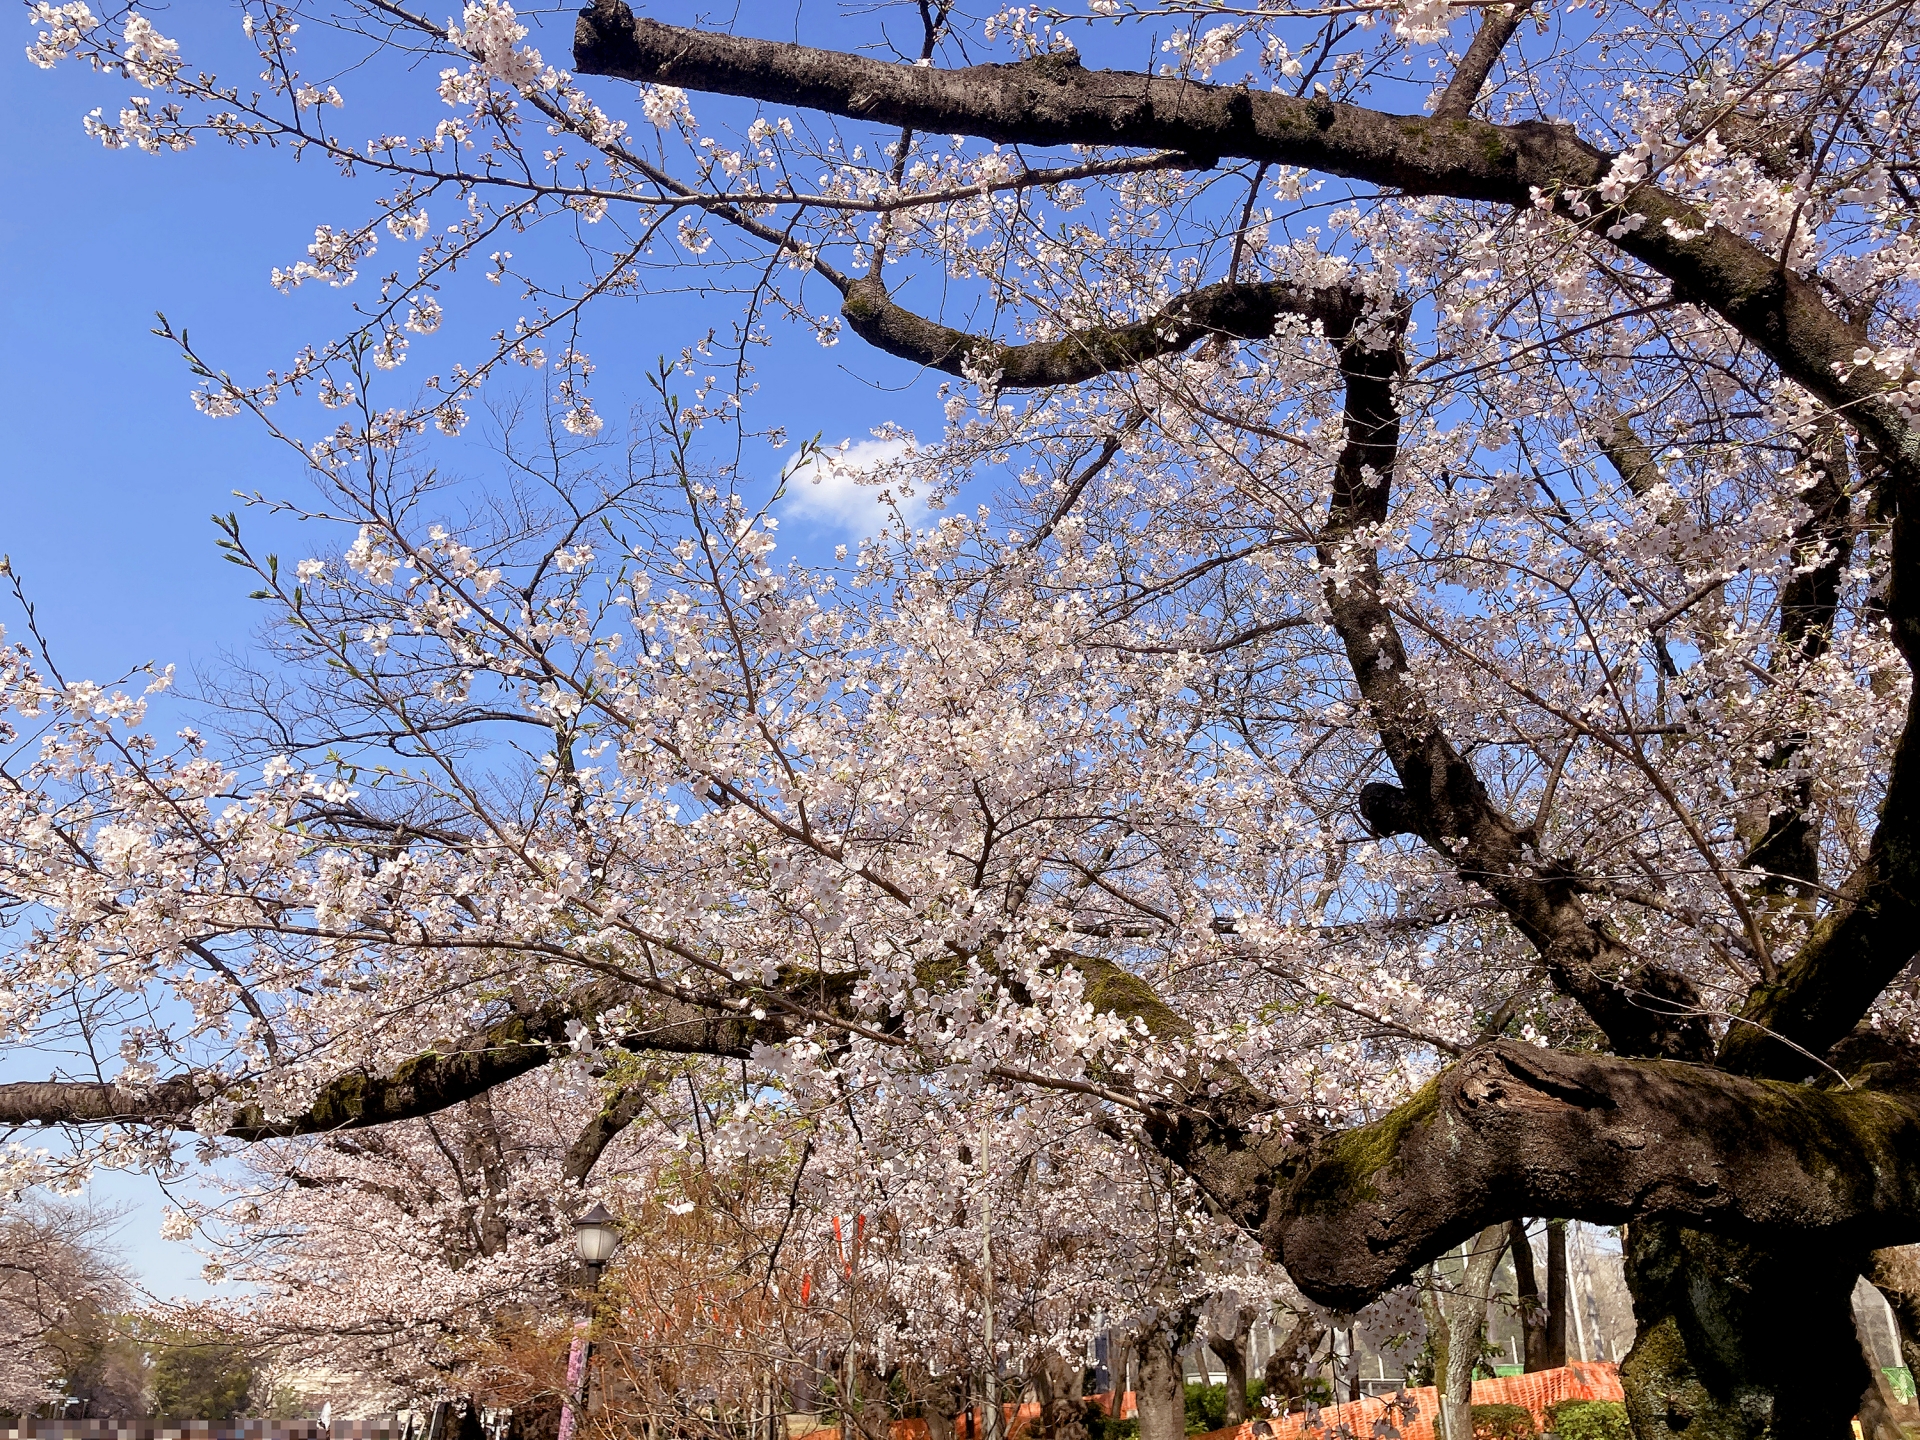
[1538, 1392]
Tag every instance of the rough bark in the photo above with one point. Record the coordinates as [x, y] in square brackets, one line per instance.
[1740, 1342]
[1057, 1382]
[621, 1109]
[424, 1084]
[1517, 1130]
[1631, 456]
[1497, 24]
[1161, 1392]
[1245, 310]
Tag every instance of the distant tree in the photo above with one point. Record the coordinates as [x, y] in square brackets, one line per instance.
[201, 1377]
[58, 1285]
[102, 1363]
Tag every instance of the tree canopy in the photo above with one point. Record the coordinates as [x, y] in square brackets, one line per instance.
[1400, 717]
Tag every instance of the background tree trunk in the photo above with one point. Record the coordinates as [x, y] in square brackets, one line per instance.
[1464, 1314]
[939, 1397]
[1120, 1353]
[1058, 1381]
[1554, 1353]
[1737, 1342]
[1228, 1324]
[1526, 1286]
[1162, 1392]
[1285, 1376]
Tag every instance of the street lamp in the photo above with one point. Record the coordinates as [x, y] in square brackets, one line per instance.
[595, 1237]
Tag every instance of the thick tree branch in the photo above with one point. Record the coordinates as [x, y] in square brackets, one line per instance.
[1497, 24]
[1246, 311]
[623, 1107]
[423, 1085]
[1872, 931]
[1628, 453]
[1644, 1009]
[1053, 100]
[1515, 1130]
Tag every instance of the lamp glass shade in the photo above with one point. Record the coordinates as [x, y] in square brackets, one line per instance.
[595, 1236]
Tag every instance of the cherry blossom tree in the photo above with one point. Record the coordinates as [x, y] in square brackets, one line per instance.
[59, 1287]
[1420, 738]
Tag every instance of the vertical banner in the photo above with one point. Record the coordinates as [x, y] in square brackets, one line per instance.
[576, 1374]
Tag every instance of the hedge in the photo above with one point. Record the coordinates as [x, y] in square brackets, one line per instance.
[1502, 1422]
[1589, 1420]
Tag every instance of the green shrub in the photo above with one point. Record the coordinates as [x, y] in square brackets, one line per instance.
[1206, 1408]
[1589, 1420]
[1207, 1405]
[1503, 1422]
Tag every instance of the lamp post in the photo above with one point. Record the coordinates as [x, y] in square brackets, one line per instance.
[595, 1237]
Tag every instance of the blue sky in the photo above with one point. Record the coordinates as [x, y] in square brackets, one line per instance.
[108, 473]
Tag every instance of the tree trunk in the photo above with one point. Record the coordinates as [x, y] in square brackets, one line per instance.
[872, 1412]
[1228, 1325]
[1465, 1316]
[993, 1419]
[1554, 1349]
[1285, 1376]
[1436, 1322]
[1737, 1342]
[1234, 1360]
[1526, 1287]
[1162, 1392]
[1120, 1351]
[1057, 1381]
[939, 1398]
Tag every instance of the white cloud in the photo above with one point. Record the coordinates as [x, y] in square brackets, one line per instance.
[827, 491]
